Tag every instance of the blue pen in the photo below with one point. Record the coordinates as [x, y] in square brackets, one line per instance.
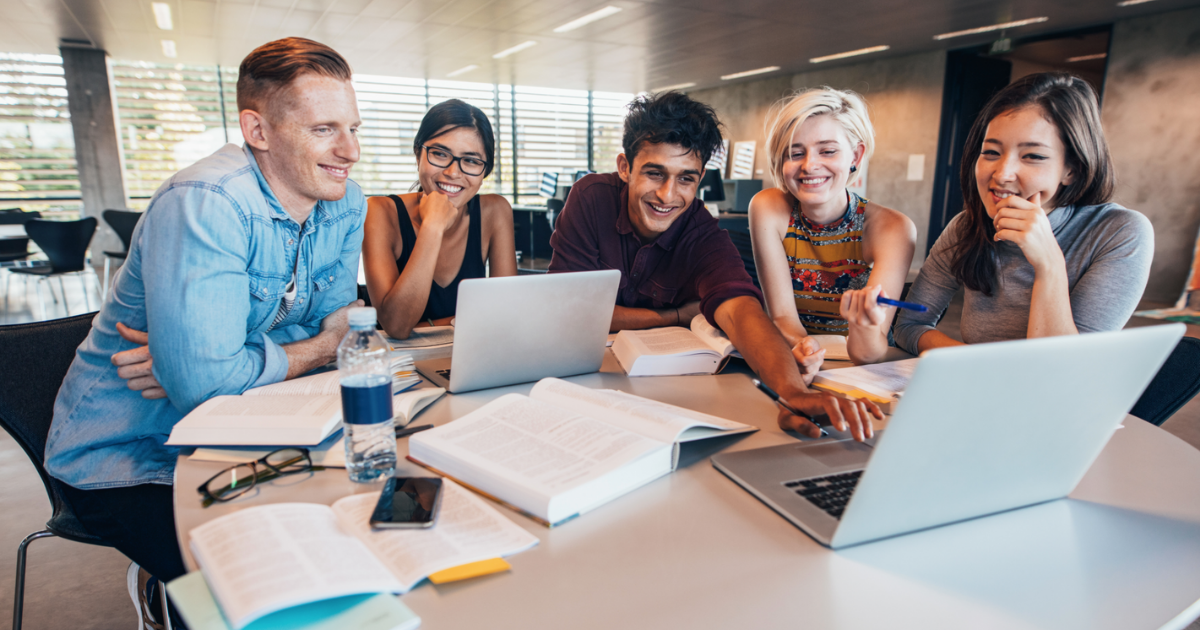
[920, 308]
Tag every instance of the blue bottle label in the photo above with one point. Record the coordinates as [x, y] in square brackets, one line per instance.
[367, 405]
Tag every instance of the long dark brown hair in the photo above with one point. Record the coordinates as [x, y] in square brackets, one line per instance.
[1070, 104]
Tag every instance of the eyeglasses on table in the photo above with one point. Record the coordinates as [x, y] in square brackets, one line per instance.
[238, 479]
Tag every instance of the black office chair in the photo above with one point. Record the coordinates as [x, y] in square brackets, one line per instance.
[1177, 382]
[553, 208]
[14, 248]
[122, 222]
[65, 244]
[36, 359]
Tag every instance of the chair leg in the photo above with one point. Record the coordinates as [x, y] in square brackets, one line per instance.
[87, 298]
[166, 606]
[62, 288]
[104, 291]
[19, 598]
[41, 301]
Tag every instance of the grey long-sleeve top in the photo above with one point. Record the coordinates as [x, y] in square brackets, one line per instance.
[1107, 248]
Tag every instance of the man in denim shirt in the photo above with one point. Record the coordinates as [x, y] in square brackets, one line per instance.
[240, 273]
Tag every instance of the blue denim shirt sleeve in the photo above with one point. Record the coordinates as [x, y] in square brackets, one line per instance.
[198, 303]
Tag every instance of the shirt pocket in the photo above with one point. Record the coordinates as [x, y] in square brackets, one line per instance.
[266, 291]
[658, 294]
[325, 278]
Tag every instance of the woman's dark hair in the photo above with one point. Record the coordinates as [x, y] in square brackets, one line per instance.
[671, 118]
[455, 114]
[1070, 104]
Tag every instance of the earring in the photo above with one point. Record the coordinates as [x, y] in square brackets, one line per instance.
[853, 168]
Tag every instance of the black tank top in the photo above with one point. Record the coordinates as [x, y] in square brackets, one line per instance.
[442, 301]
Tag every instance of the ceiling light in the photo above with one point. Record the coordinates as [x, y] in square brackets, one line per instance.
[677, 86]
[994, 27]
[738, 75]
[1086, 57]
[852, 53]
[462, 70]
[1127, 3]
[588, 19]
[168, 46]
[162, 15]
[515, 49]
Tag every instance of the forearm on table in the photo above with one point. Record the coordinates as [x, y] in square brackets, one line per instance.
[309, 354]
[629, 318]
[404, 304]
[761, 344]
[936, 339]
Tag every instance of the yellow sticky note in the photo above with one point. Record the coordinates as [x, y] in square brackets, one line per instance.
[470, 570]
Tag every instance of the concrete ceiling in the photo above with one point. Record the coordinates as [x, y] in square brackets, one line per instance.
[649, 44]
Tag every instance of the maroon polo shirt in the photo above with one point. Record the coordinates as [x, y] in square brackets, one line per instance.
[693, 260]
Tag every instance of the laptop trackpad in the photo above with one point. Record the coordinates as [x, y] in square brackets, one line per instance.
[840, 454]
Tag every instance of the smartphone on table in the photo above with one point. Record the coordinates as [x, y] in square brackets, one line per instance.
[408, 502]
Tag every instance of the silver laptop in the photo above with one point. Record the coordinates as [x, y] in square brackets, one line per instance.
[524, 328]
[981, 429]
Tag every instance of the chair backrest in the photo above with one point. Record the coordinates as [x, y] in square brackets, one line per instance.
[1176, 383]
[64, 242]
[36, 359]
[14, 216]
[14, 247]
[122, 222]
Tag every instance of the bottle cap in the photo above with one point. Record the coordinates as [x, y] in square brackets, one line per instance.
[361, 316]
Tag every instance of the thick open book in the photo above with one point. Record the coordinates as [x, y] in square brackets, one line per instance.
[272, 557]
[299, 412]
[699, 349]
[880, 383]
[564, 449]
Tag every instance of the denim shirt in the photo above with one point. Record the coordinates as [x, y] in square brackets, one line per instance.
[206, 273]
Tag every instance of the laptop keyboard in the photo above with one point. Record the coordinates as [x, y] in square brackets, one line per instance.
[830, 493]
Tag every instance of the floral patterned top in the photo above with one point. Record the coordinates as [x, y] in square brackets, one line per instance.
[826, 260]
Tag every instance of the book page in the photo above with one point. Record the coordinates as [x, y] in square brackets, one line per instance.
[534, 445]
[886, 380]
[259, 421]
[656, 420]
[669, 340]
[263, 559]
[467, 530]
[323, 384]
[712, 337]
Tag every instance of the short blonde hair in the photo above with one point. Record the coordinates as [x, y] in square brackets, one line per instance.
[845, 106]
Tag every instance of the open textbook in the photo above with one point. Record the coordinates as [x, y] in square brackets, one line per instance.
[881, 383]
[699, 349]
[423, 344]
[300, 412]
[564, 449]
[272, 557]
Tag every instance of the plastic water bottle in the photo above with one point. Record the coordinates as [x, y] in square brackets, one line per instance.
[370, 433]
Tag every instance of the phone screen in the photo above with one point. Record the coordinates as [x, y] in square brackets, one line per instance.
[408, 502]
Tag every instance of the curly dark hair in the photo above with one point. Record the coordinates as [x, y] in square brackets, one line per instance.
[1070, 104]
[671, 118]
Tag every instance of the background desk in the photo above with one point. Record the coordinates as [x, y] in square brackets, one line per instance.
[693, 550]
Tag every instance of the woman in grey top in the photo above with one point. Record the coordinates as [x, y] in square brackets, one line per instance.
[1038, 246]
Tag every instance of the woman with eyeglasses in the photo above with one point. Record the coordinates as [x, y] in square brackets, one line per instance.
[417, 247]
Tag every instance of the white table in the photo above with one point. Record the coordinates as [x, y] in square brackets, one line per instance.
[693, 550]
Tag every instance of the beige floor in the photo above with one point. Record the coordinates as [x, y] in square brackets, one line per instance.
[80, 587]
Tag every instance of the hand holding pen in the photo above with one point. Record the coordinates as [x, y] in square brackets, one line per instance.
[800, 413]
[867, 307]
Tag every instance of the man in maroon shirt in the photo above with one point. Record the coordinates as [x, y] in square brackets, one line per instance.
[645, 221]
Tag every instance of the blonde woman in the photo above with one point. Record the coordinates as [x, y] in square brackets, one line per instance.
[824, 254]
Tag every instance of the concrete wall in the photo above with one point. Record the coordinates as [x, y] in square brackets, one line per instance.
[905, 97]
[1151, 114]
